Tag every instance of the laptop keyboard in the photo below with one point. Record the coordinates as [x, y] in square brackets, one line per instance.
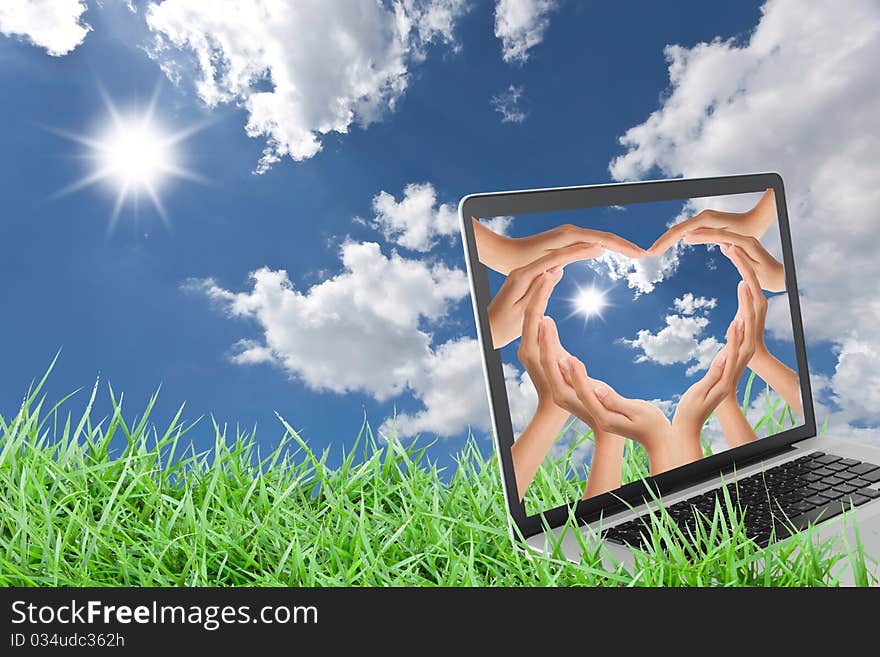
[775, 502]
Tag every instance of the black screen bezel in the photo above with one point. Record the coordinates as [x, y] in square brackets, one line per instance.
[524, 202]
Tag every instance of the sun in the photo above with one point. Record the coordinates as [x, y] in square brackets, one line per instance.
[589, 302]
[134, 154]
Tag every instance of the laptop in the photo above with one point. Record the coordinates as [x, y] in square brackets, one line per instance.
[643, 348]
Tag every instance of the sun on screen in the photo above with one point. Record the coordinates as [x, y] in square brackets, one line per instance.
[590, 302]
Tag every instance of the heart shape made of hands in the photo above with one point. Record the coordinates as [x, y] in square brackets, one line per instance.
[534, 265]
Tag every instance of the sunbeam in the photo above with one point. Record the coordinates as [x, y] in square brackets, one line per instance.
[135, 154]
[589, 302]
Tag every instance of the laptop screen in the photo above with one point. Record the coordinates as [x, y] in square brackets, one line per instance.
[638, 339]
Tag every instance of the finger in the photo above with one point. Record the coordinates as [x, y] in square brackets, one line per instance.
[722, 236]
[620, 245]
[598, 416]
[713, 376]
[550, 353]
[611, 400]
[672, 235]
[566, 255]
[541, 287]
[735, 335]
[746, 270]
[575, 234]
[749, 316]
[533, 285]
[520, 279]
[548, 342]
[536, 303]
[735, 341]
[575, 373]
[750, 276]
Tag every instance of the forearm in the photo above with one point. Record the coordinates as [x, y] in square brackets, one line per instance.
[606, 468]
[781, 378]
[492, 249]
[734, 425]
[532, 446]
[685, 445]
[762, 216]
[661, 450]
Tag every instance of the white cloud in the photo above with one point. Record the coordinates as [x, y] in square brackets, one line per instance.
[522, 398]
[365, 330]
[705, 352]
[357, 331]
[741, 106]
[678, 342]
[55, 25]
[640, 274]
[582, 454]
[688, 304]
[520, 24]
[326, 63]
[764, 399]
[417, 219]
[665, 405]
[498, 225]
[450, 385]
[507, 104]
[856, 383]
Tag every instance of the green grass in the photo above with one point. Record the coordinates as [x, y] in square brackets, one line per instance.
[158, 514]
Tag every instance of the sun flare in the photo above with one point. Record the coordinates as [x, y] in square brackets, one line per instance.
[590, 302]
[134, 154]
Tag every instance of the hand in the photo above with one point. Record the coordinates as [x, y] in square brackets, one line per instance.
[508, 306]
[774, 372]
[734, 425]
[597, 404]
[607, 463]
[704, 396]
[752, 223]
[530, 449]
[746, 269]
[529, 351]
[506, 254]
[769, 271]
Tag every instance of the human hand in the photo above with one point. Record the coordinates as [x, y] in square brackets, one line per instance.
[531, 447]
[768, 270]
[750, 277]
[506, 254]
[508, 306]
[774, 372]
[529, 351]
[597, 404]
[720, 381]
[752, 223]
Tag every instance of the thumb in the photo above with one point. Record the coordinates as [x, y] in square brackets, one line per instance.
[609, 398]
[716, 371]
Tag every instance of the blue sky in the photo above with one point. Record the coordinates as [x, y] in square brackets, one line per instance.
[148, 304]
